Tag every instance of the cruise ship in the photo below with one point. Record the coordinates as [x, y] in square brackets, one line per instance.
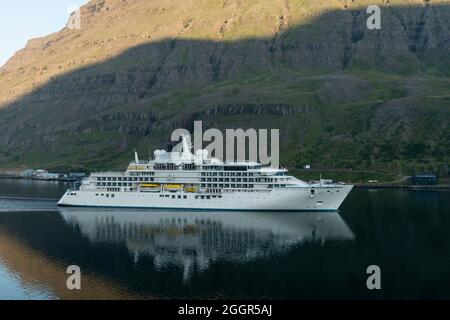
[183, 180]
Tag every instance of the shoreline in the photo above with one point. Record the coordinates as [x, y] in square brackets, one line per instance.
[26, 178]
[405, 187]
[358, 186]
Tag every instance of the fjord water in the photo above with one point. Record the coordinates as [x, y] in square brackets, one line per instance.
[167, 254]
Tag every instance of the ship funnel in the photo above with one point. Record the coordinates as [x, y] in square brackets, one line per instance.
[136, 158]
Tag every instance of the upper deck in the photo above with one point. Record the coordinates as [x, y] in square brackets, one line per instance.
[193, 171]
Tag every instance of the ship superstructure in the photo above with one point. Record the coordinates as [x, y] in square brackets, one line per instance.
[183, 180]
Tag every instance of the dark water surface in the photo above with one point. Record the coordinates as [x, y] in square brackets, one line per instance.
[188, 254]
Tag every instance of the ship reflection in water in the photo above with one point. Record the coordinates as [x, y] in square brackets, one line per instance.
[155, 254]
[196, 240]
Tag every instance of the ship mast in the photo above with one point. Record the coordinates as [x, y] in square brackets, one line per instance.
[136, 157]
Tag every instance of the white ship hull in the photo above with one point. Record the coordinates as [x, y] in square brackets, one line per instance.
[290, 199]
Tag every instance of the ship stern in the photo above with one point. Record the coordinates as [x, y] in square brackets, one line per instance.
[63, 202]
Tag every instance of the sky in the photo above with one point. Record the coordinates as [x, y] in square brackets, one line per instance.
[21, 20]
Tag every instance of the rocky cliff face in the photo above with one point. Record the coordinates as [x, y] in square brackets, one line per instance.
[138, 68]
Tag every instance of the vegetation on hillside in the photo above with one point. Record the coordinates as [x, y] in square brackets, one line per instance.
[344, 97]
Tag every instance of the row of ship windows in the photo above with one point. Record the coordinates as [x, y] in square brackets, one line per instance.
[226, 174]
[124, 179]
[191, 166]
[114, 184]
[250, 186]
[151, 179]
[204, 185]
[145, 173]
[184, 197]
[143, 179]
[188, 167]
[239, 180]
[312, 191]
[209, 185]
[208, 197]
[129, 181]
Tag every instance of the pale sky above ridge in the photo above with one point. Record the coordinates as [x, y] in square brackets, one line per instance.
[21, 20]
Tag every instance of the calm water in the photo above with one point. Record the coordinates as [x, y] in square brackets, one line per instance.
[179, 254]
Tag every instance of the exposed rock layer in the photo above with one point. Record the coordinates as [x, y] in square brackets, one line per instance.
[138, 68]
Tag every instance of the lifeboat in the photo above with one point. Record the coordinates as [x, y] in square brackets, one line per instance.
[147, 187]
[191, 190]
[173, 187]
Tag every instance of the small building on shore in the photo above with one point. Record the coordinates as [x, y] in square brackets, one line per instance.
[424, 179]
[45, 175]
[77, 175]
[27, 174]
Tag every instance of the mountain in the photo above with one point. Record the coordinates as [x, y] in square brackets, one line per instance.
[343, 96]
